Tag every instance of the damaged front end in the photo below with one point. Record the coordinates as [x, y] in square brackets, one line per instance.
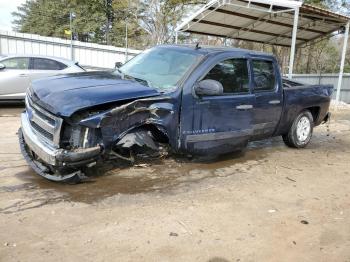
[54, 148]
[56, 164]
[138, 129]
[63, 149]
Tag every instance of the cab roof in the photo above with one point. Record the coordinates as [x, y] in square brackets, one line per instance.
[205, 50]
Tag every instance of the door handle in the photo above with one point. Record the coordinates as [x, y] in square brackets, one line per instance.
[274, 102]
[244, 107]
[23, 75]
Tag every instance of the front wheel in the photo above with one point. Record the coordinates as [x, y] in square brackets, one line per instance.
[300, 133]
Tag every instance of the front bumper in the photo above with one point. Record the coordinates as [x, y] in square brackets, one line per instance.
[43, 150]
[48, 156]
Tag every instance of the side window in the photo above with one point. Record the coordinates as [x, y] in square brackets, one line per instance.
[232, 74]
[47, 64]
[16, 63]
[264, 75]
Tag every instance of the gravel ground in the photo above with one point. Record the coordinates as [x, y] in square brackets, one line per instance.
[270, 203]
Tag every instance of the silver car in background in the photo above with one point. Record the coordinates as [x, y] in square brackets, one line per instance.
[17, 71]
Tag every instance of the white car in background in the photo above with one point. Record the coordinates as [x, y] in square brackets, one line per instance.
[17, 71]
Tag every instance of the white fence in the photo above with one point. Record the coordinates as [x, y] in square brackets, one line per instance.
[87, 54]
[327, 79]
[96, 56]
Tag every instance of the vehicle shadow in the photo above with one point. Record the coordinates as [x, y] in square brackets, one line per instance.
[164, 176]
[159, 176]
[11, 108]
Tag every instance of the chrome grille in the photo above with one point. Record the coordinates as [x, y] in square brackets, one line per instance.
[43, 123]
[41, 130]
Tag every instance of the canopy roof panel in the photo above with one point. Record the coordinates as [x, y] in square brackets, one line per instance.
[263, 21]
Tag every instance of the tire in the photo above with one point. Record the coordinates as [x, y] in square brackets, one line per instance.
[300, 133]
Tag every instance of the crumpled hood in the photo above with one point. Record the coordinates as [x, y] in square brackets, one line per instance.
[65, 94]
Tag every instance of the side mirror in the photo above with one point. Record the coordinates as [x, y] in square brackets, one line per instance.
[118, 64]
[2, 66]
[209, 87]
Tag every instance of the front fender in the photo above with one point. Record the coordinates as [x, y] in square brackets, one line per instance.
[116, 122]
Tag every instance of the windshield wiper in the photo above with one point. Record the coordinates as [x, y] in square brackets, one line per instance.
[139, 80]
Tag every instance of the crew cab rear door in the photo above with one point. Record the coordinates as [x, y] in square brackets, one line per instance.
[221, 123]
[267, 88]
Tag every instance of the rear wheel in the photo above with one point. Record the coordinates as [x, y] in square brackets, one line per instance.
[300, 133]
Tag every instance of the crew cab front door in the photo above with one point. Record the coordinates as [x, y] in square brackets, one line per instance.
[222, 123]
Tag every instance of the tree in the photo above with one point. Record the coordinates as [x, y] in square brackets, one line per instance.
[319, 3]
[48, 18]
[125, 15]
[51, 18]
[149, 22]
[159, 18]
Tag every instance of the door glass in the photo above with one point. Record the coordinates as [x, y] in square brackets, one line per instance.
[232, 74]
[264, 75]
[47, 64]
[16, 63]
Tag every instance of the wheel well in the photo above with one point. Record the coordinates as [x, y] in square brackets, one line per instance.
[315, 111]
[157, 132]
[144, 139]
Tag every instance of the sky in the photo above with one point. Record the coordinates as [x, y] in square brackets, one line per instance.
[6, 8]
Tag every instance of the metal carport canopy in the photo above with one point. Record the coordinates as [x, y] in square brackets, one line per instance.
[286, 23]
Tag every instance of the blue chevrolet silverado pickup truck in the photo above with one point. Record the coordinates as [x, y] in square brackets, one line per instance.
[181, 99]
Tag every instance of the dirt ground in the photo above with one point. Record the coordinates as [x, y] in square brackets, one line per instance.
[271, 203]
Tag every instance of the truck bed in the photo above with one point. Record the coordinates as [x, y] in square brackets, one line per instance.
[298, 96]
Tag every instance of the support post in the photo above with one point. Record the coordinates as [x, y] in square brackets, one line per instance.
[294, 39]
[71, 35]
[345, 45]
[176, 35]
[126, 34]
[126, 41]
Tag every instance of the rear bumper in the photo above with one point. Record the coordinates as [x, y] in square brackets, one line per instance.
[49, 158]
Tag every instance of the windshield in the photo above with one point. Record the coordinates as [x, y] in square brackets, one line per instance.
[160, 68]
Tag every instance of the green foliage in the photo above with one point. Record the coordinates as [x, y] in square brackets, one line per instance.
[319, 3]
[336, 5]
[104, 21]
[51, 18]
[323, 57]
[47, 18]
